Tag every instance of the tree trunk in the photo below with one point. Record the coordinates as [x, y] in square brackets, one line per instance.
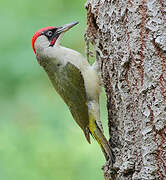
[129, 38]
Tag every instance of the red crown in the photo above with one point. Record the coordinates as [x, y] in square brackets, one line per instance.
[37, 34]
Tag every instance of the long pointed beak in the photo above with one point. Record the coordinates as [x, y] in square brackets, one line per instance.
[60, 30]
[66, 27]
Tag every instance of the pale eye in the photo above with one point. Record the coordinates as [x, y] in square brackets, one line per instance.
[49, 33]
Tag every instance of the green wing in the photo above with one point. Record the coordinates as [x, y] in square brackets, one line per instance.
[69, 83]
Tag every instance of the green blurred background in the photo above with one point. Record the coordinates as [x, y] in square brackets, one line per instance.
[39, 140]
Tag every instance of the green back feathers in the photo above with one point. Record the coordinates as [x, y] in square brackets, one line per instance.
[69, 83]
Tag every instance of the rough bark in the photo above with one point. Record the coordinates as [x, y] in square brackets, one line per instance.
[129, 38]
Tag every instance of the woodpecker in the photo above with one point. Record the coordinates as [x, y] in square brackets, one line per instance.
[75, 80]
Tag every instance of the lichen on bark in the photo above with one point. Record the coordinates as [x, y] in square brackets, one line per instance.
[129, 38]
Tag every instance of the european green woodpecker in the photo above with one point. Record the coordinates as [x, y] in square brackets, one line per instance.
[74, 79]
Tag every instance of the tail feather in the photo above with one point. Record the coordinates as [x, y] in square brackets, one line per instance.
[100, 138]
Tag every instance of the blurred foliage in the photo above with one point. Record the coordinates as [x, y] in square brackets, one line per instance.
[39, 140]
